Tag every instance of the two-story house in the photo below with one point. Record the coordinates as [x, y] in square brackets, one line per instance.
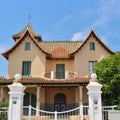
[55, 73]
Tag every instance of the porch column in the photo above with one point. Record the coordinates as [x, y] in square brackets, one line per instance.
[81, 95]
[1, 94]
[38, 101]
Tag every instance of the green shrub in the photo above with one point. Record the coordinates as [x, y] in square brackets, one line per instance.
[4, 104]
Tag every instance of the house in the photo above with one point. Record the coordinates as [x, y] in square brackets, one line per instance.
[55, 73]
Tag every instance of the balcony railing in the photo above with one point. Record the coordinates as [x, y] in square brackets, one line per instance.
[3, 78]
[60, 75]
[51, 107]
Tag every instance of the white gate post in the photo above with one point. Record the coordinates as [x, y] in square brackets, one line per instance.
[81, 112]
[55, 115]
[94, 92]
[16, 99]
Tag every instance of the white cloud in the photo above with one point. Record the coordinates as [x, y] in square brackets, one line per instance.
[107, 11]
[78, 36]
[65, 18]
[3, 48]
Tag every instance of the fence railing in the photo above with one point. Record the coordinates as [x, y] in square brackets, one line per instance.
[105, 110]
[3, 113]
[30, 113]
[78, 113]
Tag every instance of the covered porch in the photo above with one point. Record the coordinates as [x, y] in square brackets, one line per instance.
[56, 98]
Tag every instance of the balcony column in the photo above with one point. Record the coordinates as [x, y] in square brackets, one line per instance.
[66, 74]
[38, 101]
[1, 94]
[52, 75]
[81, 95]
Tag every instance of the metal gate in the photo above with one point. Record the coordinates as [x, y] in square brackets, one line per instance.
[29, 113]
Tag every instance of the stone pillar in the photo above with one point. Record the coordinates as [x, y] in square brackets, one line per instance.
[16, 99]
[81, 95]
[1, 94]
[94, 92]
[38, 101]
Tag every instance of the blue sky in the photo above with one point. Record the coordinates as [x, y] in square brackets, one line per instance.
[59, 20]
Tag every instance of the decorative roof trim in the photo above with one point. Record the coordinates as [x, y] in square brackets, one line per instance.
[98, 39]
[29, 27]
[5, 54]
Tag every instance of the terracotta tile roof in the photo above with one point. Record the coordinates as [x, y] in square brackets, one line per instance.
[28, 27]
[60, 49]
[41, 80]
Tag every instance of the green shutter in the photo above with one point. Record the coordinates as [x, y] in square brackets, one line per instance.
[60, 71]
[26, 68]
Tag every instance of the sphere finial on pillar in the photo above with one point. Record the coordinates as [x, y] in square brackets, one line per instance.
[93, 77]
[17, 78]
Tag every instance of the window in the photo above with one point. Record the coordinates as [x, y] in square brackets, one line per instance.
[27, 46]
[91, 66]
[92, 46]
[60, 71]
[26, 68]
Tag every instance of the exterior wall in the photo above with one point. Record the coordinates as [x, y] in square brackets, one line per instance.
[84, 55]
[35, 55]
[51, 65]
[34, 91]
[51, 92]
[85, 96]
[72, 95]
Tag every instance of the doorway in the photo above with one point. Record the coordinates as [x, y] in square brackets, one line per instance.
[59, 102]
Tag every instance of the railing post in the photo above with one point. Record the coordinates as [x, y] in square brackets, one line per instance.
[52, 74]
[66, 74]
[55, 115]
[29, 112]
[81, 112]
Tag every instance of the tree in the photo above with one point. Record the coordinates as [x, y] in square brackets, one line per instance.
[108, 72]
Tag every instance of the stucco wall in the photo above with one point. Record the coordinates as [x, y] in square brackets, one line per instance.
[35, 55]
[51, 65]
[68, 92]
[84, 55]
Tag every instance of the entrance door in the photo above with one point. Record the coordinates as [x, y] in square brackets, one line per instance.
[60, 102]
[60, 71]
[29, 99]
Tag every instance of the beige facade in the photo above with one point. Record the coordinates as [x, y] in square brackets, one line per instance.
[45, 88]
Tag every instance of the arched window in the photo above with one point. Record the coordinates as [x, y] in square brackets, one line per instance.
[60, 102]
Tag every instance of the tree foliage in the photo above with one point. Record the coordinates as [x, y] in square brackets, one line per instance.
[108, 72]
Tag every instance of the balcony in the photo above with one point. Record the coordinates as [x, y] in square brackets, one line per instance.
[3, 78]
[61, 75]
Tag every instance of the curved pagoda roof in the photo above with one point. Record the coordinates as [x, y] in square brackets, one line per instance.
[53, 49]
[30, 29]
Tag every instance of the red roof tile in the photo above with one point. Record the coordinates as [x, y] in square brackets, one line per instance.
[48, 81]
[60, 49]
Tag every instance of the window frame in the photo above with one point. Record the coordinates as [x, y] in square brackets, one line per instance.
[92, 45]
[27, 46]
[91, 66]
[26, 68]
[59, 68]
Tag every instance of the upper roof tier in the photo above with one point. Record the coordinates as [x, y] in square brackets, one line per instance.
[53, 49]
[30, 29]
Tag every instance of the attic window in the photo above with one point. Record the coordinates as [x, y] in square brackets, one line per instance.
[92, 46]
[27, 46]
